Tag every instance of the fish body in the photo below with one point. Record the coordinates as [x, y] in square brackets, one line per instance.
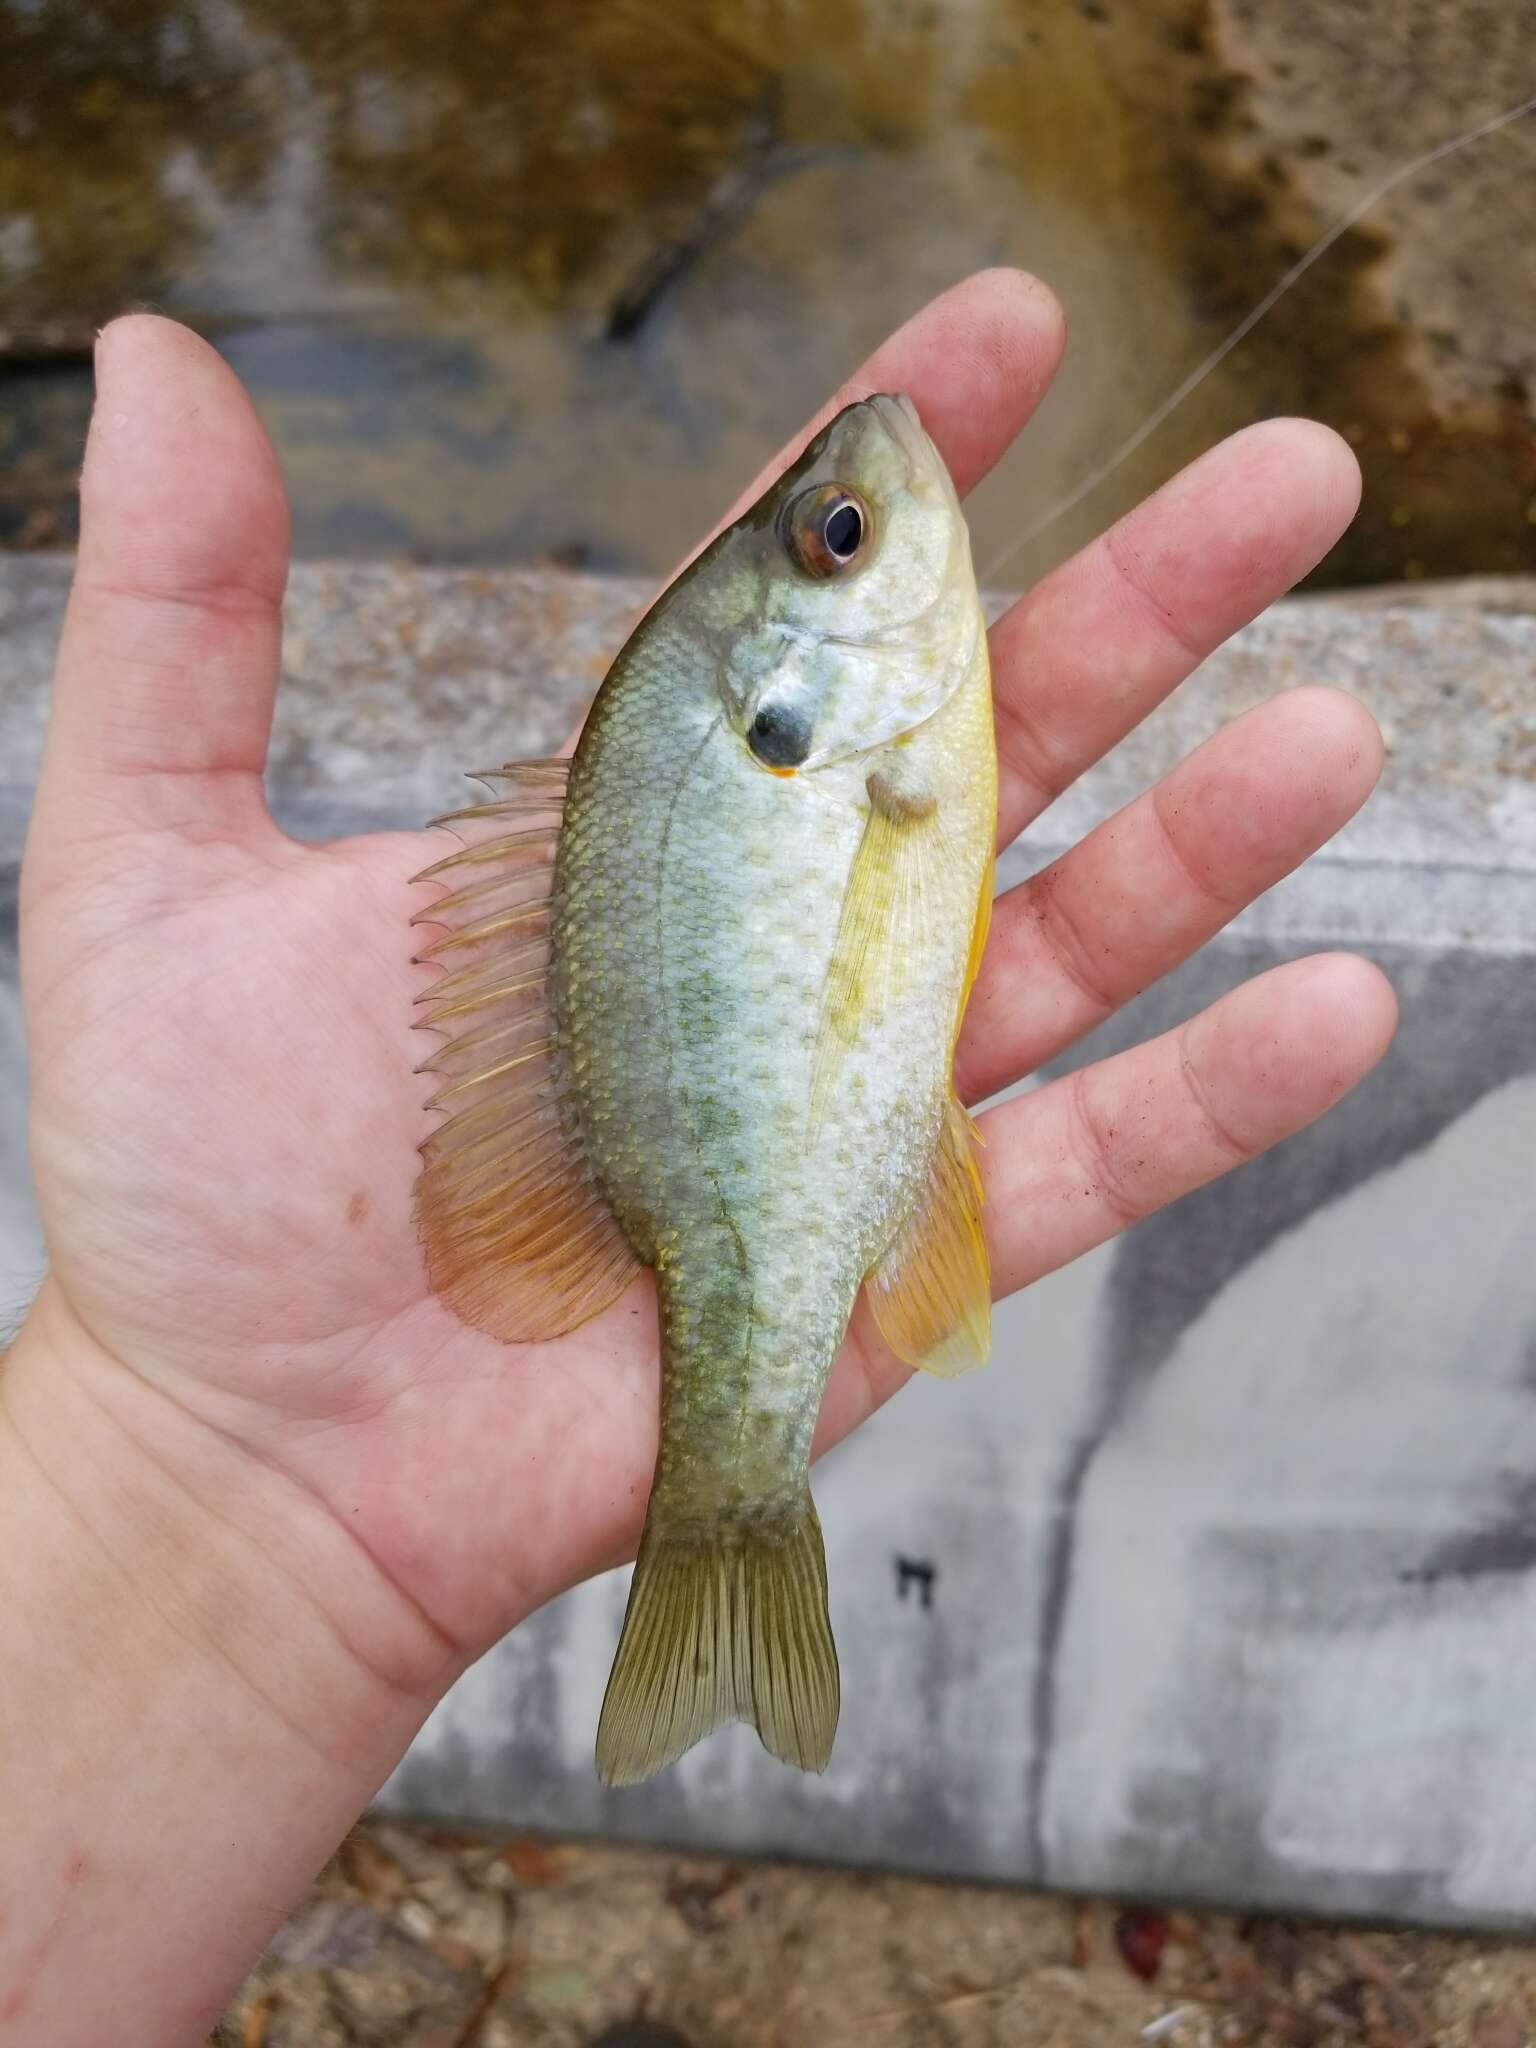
[766, 898]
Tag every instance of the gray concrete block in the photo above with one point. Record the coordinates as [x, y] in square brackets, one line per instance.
[1233, 1547]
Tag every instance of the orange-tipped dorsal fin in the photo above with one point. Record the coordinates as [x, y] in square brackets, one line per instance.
[519, 1239]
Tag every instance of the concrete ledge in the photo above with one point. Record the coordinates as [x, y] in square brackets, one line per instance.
[1233, 1550]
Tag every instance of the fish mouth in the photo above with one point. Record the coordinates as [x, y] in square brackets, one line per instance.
[923, 470]
[898, 415]
[893, 418]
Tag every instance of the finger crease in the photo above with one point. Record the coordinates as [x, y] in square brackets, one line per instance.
[1133, 579]
[173, 771]
[1227, 905]
[1068, 948]
[1026, 755]
[231, 599]
[1237, 1148]
[1105, 1178]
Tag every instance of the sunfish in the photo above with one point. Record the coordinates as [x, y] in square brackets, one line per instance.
[705, 984]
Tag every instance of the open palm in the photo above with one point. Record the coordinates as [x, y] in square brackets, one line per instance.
[224, 1114]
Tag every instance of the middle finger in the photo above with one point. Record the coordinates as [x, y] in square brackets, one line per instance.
[1147, 887]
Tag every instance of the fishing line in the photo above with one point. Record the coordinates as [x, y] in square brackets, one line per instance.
[1102, 471]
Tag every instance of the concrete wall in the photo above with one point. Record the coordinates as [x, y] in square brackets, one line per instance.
[1232, 1551]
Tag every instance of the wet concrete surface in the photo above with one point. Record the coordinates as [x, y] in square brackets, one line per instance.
[522, 282]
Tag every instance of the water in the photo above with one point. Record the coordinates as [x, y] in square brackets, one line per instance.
[517, 281]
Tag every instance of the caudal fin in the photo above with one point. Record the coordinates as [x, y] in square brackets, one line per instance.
[732, 1627]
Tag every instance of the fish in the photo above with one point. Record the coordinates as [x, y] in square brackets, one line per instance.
[704, 982]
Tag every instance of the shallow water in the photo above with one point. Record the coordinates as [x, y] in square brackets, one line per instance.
[515, 280]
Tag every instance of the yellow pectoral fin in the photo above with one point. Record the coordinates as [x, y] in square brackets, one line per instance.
[518, 1238]
[981, 925]
[883, 925]
[931, 1294]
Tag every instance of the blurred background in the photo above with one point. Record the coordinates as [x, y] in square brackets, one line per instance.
[514, 280]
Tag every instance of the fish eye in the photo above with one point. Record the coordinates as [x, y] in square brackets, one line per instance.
[825, 530]
[843, 530]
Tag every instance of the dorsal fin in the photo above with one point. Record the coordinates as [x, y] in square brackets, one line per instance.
[518, 1237]
[931, 1295]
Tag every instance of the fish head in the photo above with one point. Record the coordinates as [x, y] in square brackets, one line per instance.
[843, 604]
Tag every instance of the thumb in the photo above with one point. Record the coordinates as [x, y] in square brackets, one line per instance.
[162, 700]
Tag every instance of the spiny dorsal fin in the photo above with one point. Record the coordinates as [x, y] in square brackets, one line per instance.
[518, 1238]
[931, 1295]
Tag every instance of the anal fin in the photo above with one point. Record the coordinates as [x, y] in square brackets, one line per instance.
[931, 1295]
[518, 1238]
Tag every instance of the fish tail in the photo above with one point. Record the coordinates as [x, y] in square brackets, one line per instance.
[723, 1625]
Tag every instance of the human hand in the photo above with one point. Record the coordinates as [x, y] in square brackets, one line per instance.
[224, 1118]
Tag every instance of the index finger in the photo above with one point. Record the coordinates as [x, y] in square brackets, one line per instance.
[976, 361]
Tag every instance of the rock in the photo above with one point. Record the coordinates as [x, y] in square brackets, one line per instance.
[1413, 336]
[1337, 101]
[418, 1859]
[332, 1934]
[486, 394]
[640, 2034]
[337, 1936]
[480, 1919]
[352, 1974]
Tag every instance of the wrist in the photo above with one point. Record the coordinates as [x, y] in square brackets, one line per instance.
[189, 1720]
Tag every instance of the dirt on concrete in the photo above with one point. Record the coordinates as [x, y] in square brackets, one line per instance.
[425, 1938]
